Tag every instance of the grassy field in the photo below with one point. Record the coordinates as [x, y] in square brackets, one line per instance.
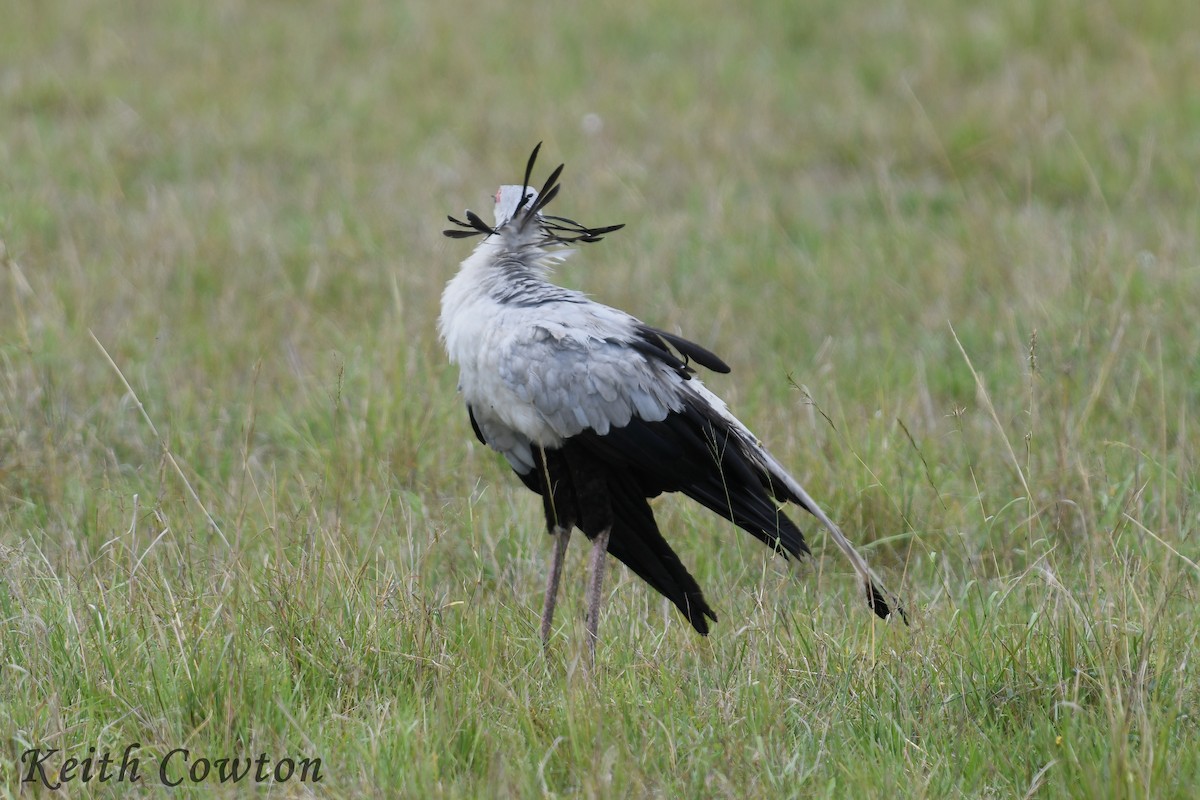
[952, 252]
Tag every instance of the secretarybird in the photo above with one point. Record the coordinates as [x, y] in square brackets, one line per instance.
[597, 412]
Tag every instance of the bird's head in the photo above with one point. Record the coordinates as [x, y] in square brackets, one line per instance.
[520, 218]
[510, 198]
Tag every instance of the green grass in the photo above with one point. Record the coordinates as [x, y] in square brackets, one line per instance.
[950, 251]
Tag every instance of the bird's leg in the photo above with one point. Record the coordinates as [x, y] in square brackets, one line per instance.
[561, 536]
[596, 564]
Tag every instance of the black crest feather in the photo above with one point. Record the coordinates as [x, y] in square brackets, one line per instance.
[555, 230]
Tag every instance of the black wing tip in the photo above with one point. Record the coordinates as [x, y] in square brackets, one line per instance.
[699, 613]
[688, 349]
[879, 604]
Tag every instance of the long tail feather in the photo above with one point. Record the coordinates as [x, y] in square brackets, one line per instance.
[877, 596]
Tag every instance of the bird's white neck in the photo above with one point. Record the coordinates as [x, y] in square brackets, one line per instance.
[492, 282]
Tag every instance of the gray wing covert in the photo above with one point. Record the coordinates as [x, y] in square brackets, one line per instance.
[578, 381]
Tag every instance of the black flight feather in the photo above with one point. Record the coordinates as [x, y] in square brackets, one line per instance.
[635, 539]
[686, 348]
[689, 452]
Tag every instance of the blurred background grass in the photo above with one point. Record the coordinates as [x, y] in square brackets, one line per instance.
[242, 202]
